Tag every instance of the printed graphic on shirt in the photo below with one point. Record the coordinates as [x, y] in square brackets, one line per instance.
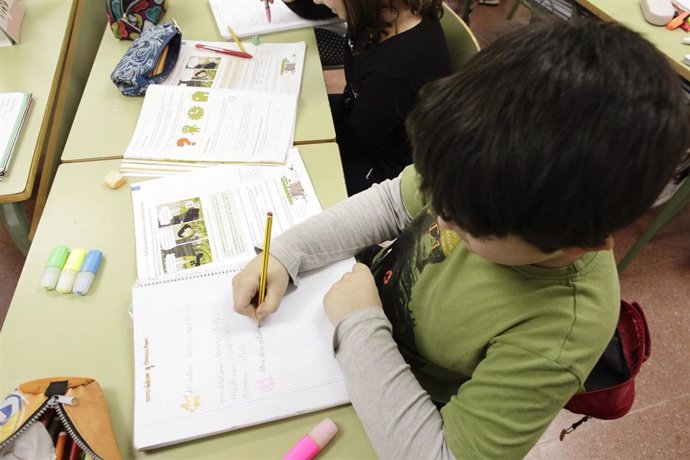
[396, 272]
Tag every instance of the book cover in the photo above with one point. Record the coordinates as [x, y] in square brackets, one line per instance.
[11, 15]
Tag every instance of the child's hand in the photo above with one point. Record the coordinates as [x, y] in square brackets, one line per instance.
[245, 287]
[355, 290]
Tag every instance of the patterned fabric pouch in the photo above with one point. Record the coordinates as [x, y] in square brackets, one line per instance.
[149, 60]
[63, 416]
[128, 19]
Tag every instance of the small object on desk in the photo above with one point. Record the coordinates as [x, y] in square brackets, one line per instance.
[10, 22]
[236, 40]
[312, 443]
[685, 26]
[268, 10]
[256, 40]
[224, 51]
[88, 271]
[54, 266]
[114, 179]
[677, 21]
[686, 41]
[657, 12]
[69, 273]
[686, 59]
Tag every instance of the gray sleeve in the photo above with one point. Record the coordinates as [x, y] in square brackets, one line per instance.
[397, 413]
[375, 215]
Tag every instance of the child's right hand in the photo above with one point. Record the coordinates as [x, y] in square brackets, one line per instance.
[245, 286]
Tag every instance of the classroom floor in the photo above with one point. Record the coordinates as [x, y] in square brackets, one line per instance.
[658, 278]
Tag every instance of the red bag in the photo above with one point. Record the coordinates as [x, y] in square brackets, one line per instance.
[610, 387]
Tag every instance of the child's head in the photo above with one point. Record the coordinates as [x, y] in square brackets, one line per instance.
[558, 134]
[367, 19]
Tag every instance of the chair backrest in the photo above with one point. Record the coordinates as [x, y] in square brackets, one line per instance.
[462, 44]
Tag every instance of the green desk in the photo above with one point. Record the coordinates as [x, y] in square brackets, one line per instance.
[48, 334]
[628, 13]
[35, 65]
[106, 119]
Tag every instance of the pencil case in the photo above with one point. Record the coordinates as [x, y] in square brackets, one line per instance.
[61, 417]
[149, 60]
[128, 19]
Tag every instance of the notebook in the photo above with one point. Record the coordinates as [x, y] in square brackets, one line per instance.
[13, 110]
[202, 369]
[247, 18]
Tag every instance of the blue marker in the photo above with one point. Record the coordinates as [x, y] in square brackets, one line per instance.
[88, 272]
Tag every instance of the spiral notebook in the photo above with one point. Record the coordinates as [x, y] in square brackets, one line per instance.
[202, 369]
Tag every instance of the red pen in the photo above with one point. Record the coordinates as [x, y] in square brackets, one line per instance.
[224, 51]
[268, 11]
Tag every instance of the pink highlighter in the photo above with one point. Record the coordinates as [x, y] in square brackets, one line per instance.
[312, 443]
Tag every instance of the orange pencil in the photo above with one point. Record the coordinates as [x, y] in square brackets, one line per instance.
[60, 446]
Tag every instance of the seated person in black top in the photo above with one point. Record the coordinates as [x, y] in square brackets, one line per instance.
[394, 47]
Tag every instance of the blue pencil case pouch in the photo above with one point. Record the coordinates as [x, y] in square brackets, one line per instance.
[149, 60]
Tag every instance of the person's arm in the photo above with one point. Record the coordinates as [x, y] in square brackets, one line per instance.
[307, 9]
[501, 412]
[377, 214]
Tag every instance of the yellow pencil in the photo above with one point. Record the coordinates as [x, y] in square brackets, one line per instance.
[236, 40]
[264, 264]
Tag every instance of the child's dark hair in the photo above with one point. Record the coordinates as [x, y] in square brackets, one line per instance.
[366, 22]
[559, 134]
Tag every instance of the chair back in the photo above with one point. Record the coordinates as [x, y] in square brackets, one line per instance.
[462, 44]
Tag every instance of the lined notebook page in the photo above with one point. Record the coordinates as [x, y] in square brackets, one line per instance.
[202, 369]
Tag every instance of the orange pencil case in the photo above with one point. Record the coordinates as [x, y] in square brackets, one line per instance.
[73, 407]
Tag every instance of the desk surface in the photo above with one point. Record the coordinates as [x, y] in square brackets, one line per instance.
[34, 66]
[106, 119]
[629, 14]
[47, 334]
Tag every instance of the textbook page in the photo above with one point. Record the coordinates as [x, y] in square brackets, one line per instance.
[247, 18]
[211, 125]
[216, 214]
[274, 67]
[202, 369]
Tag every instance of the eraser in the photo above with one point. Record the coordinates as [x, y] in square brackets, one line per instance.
[256, 40]
[686, 59]
[114, 179]
[657, 12]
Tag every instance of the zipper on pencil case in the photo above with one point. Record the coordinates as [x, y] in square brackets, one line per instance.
[55, 402]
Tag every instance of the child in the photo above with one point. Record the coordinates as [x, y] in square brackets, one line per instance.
[500, 291]
[394, 48]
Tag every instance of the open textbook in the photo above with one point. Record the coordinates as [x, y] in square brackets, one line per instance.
[274, 68]
[193, 121]
[183, 128]
[202, 369]
[186, 221]
[247, 18]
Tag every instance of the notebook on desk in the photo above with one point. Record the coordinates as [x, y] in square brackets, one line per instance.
[13, 110]
[247, 18]
[202, 369]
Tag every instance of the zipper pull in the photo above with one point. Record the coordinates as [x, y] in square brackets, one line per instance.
[61, 399]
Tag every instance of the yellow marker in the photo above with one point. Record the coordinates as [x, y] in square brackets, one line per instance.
[70, 270]
[236, 40]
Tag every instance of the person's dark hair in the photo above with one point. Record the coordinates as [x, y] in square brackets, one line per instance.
[366, 22]
[559, 134]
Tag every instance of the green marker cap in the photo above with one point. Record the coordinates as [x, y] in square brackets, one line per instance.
[76, 257]
[58, 256]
